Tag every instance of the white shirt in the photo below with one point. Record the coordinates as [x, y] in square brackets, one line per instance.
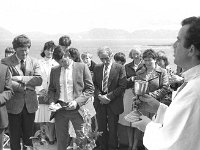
[177, 127]
[66, 91]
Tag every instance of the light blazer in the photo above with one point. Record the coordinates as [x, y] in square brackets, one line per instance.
[32, 78]
[116, 86]
[5, 94]
[83, 87]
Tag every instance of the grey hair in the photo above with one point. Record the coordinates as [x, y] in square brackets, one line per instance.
[104, 50]
[133, 50]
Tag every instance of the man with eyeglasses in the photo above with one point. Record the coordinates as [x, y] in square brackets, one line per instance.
[110, 83]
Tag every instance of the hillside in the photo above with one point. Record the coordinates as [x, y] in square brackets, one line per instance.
[5, 34]
[97, 34]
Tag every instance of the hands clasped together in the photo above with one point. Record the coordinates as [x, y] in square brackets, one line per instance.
[103, 99]
[148, 104]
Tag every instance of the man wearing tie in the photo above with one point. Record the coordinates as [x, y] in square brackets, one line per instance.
[110, 82]
[22, 107]
[70, 87]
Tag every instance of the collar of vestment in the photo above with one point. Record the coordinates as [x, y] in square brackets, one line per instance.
[191, 73]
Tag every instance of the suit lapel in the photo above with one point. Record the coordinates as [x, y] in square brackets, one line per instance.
[100, 76]
[16, 64]
[141, 65]
[101, 73]
[74, 76]
[112, 74]
[74, 73]
[57, 76]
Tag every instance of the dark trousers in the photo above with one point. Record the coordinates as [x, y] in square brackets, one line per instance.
[107, 123]
[62, 118]
[1, 138]
[21, 126]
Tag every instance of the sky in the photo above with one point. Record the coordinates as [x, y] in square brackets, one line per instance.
[73, 16]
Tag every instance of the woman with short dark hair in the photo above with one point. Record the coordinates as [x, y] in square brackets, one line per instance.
[43, 114]
[120, 58]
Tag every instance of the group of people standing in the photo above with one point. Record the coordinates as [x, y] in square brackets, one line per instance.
[62, 85]
[148, 66]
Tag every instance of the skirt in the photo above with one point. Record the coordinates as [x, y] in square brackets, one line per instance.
[43, 114]
[128, 107]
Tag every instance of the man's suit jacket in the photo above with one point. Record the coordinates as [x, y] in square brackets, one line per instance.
[116, 86]
[31, 78]
[83, 87]
[5, 94]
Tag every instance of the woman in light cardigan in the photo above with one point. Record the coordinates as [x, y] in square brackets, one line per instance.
[43, 113]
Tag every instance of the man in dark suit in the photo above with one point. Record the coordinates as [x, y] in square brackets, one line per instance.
[110, 82]
[5, 95]
[23, 104]
[70, 87]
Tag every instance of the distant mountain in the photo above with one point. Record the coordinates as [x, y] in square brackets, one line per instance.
[39, 36]
[5, 34]
[157, 34]
[102, 33]
[98, 33]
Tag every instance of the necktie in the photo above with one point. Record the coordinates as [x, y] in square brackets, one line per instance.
[105, 79]
[23, 67]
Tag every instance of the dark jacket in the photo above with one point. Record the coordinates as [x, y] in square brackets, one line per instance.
[5, 94]
[130, 71]
[116, 86]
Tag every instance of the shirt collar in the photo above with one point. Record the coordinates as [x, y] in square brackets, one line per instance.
[109, 66]
[70, 66]
[19, 59]
[191, 73]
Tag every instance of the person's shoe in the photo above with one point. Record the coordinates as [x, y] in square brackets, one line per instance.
[41, 143]
[129, 148]
[51, 142]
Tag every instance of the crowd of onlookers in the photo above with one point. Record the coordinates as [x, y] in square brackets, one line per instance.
[149, 65]
[56, 91]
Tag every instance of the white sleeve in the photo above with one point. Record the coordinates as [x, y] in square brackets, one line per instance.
[160, 113]
[176, 127]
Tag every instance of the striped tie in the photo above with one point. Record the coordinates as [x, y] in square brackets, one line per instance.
[105, 79]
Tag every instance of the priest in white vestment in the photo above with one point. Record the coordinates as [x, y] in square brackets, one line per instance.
[177, 127]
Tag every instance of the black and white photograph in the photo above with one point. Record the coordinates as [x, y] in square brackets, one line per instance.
[99, 75]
